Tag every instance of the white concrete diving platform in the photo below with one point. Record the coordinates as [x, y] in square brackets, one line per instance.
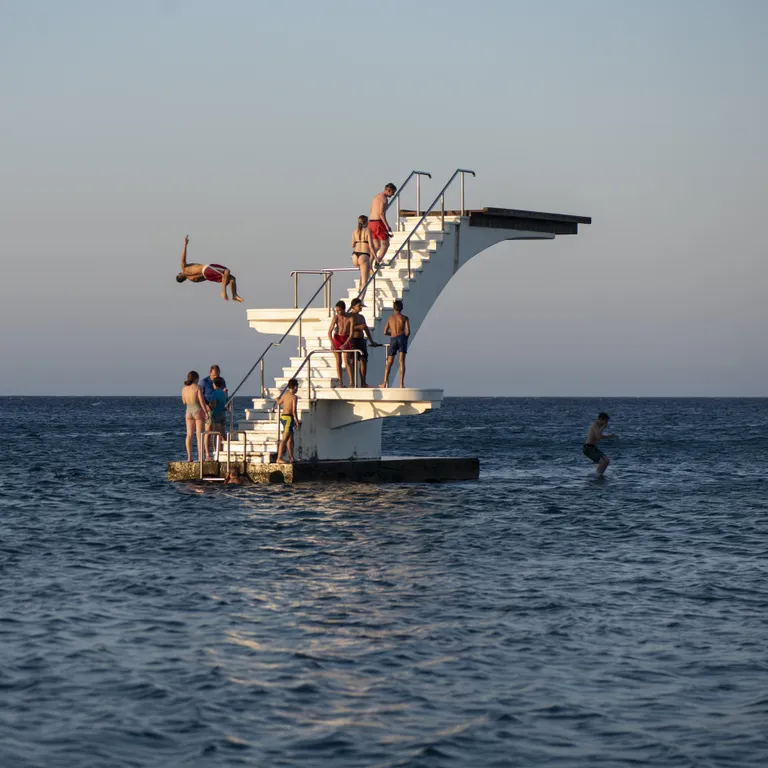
[428, 248]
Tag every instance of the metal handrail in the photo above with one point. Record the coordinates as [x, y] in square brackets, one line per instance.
[407, 242]
[327, 294]
[201, 442]
[244, 433]
[261, 357]
[396, 196]
[327, 297]
[295, 374]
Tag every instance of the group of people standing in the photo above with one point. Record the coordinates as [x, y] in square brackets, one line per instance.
[350, 336]
[206, 407]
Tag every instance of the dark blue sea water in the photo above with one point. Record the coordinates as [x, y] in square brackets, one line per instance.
[537, 617]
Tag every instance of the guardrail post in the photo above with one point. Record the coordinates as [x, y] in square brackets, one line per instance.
[295, 290]
[442, 212]
[262, 377]
[462, 193]
[409, 259]
[418, 195]
[299, 353]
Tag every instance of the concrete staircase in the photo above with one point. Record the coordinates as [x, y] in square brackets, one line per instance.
[320, 383]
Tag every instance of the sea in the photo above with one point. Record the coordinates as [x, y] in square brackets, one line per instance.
[538, 616]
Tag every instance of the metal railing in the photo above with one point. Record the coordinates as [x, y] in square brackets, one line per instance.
[201, 441]
[406, 244]
[219, 440]
[396, 196]
[328, 293]
[260, 359]
[244, 433]
[296, 373]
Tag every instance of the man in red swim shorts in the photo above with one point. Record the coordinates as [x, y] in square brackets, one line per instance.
[212, 273]
[377, 222]
[340, 335]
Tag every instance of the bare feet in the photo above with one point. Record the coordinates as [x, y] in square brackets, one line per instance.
[282, 461]
[225, 297]
[237, 298]
[384, 385]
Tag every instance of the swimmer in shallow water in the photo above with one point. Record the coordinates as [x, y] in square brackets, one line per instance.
[596, 433]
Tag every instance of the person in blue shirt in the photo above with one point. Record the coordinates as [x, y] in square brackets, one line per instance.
[207, 383]
[218, 405]
[207, 386]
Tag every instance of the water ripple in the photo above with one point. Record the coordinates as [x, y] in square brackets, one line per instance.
[535, 618]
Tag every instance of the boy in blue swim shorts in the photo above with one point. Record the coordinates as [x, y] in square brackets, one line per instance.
[398, 328]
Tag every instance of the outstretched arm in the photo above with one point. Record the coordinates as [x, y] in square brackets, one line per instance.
[184, 253]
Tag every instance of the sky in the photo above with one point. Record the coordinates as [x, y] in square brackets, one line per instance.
[264, 129]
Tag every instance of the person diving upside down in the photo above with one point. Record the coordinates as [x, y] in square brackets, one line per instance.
[212, 273]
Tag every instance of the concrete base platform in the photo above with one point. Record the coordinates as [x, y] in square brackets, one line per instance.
[411, 469]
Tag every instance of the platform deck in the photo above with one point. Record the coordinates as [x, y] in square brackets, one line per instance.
[400, 469]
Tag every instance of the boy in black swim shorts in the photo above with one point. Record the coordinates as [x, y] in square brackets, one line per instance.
[594, 434]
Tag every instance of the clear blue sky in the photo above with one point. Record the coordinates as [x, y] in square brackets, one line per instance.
[263, 130]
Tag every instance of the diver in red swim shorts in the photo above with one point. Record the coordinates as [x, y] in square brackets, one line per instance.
[377, 222]
[212, 273]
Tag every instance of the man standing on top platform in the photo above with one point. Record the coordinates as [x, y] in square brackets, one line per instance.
[377, 222]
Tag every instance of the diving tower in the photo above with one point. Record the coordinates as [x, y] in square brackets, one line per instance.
[343, 426]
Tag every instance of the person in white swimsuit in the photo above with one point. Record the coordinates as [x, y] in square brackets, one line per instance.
[212, 273]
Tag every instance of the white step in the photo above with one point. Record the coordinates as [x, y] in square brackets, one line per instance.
[259, 435]
[260, 403]
[316, 384]
[318, 362]
[257, 414]
[324, 382]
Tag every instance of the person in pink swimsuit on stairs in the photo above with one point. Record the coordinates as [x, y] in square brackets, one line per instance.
[212, 273]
